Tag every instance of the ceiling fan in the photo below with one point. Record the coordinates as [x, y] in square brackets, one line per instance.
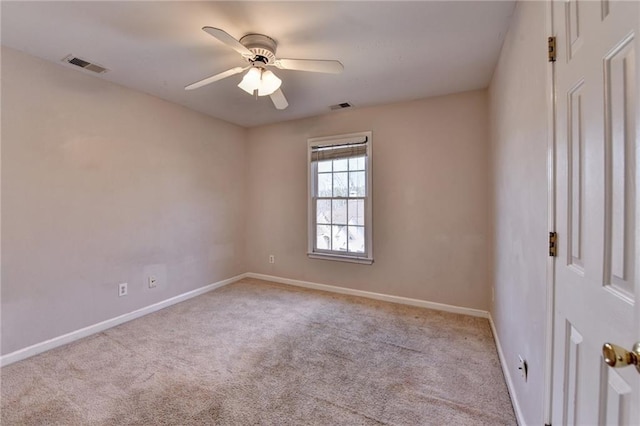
[260, 52]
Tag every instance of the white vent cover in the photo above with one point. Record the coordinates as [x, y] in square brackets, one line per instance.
[342, 105]
[82, 63]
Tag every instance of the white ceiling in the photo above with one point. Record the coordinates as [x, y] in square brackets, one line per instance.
[391, 51]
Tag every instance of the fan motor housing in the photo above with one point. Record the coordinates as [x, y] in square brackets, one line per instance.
[262, 46]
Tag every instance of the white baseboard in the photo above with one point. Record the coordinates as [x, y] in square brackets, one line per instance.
[101, 326]
[507, 375]
[370, 295]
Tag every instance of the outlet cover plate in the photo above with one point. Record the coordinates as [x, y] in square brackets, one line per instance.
[122, 289]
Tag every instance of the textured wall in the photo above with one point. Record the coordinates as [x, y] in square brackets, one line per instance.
[430, 200]
[517, 99]
[102, 185]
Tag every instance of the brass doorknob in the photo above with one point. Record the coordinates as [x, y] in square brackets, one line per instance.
[616, 356]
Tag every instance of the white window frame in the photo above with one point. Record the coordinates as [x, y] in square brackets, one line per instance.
[312, 252]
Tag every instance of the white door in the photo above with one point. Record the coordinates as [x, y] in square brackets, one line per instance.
[597, 296]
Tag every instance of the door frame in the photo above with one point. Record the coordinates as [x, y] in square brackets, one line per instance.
[551, 224]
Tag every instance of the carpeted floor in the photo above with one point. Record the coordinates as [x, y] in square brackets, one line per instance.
[261, 353]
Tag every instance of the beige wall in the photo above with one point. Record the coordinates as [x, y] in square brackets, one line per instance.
[517, 100]
[430, 200]
[102, 185]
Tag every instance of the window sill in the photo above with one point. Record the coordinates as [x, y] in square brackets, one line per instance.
[337, 257]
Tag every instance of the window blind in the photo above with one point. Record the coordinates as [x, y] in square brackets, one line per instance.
[340, 149]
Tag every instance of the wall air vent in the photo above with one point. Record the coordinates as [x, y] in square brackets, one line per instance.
[343, 105]
[74, 60]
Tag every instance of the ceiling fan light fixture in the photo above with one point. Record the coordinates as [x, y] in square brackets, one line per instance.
[251, 80]
[270, 83]
[264, 81]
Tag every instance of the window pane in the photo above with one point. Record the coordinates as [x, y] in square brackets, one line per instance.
[324, 184]
[324, 166]
[340, 165]
[323, 237]
[339, 197]
[339, 242]
[323, 211]
[356, 239]
[357, 184]
[340, 185]
[339, 213]
[356, 212]
[356, 163]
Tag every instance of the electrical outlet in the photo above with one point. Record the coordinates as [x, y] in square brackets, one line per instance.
[523, 367]
[122, 289]
[272, 259]
[153, 281]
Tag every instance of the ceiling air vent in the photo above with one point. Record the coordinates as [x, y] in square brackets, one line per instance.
[340, 106]
[74, 60]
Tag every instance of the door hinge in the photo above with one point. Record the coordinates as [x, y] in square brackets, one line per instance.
[551, 43]
[553, 238]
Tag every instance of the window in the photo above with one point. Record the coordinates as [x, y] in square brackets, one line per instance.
[340, 198]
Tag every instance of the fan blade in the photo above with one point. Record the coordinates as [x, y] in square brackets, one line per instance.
[227, 39]
[278, 99]
[216, 77]
[313, 65]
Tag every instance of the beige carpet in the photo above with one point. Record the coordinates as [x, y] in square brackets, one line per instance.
[262, 353]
